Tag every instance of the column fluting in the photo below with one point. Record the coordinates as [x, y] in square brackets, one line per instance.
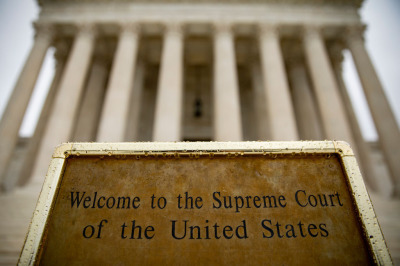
[35, 141]
[18, 102]
[62, 119]
[305, 106]
[334, 120]
[385, 122]
[227, 117]
[282, 121]
[361, 149]
[115, 111]
[168, 110]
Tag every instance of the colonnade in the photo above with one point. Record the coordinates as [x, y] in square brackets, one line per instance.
[312, 85]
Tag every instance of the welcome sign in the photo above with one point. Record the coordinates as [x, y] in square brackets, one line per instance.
[204, 203]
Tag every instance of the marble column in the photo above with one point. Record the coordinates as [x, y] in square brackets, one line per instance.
[282, 121]
[304, 103]
[385, 122]
[334, 120]
[168, 112]
[361, 148]
[260, 107]
[89, 113]
[132, 128]
[115, 112]
[37, 137]
[61, 122]
[18, 102]
[227, 117]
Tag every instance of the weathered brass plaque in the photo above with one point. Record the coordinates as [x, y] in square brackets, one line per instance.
[204, 203]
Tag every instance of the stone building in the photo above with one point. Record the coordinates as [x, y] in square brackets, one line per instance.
[226, 70]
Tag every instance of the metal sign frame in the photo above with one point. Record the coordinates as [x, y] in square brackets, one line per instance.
[369, 223]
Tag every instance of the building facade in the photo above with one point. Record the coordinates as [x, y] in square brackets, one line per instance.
[169, 70]
[197, 70]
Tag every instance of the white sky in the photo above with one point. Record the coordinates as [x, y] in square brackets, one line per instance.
[382, 36]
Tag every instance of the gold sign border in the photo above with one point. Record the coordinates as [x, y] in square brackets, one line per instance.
[369, 223]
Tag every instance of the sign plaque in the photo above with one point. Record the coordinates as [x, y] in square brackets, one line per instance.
[187, 203]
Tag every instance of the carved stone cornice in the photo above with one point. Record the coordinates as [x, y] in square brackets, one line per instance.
[44, 30]
[355, 3]
[222, 28]
[131, 27]
[87, 29]
[269, 29]
[174, 28]
[355, 32]
[312, 31]
[62, 49]
[336, 54]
